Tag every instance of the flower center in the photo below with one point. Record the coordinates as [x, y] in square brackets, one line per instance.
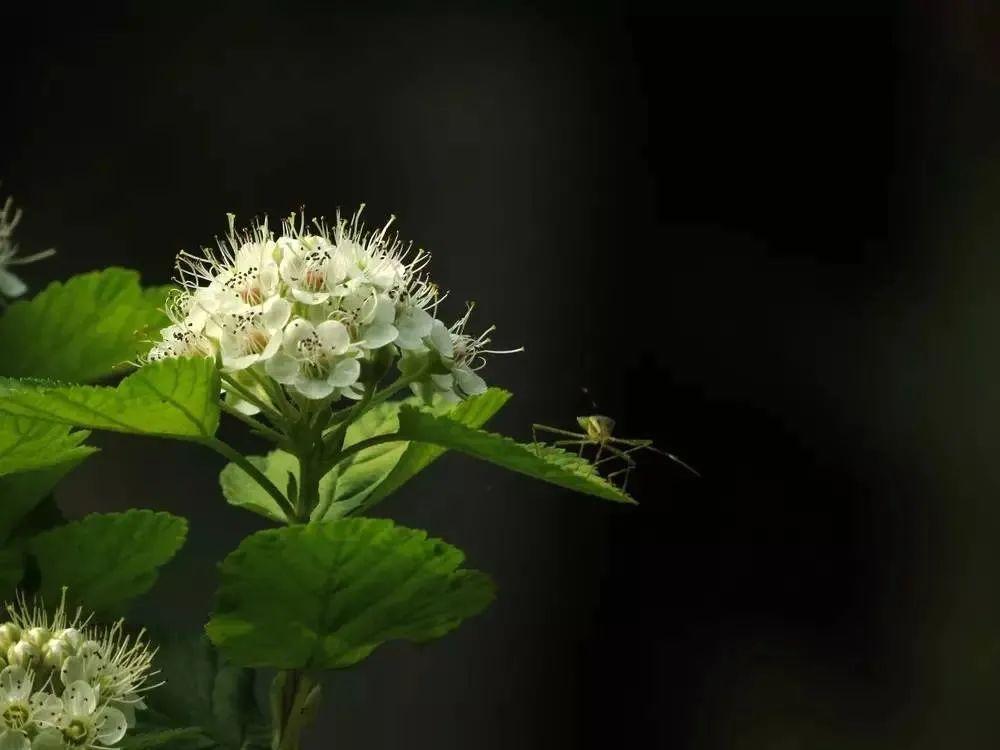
[314, 279]
[16, 715]
[256, 340]
[252, 295]
[76, 732]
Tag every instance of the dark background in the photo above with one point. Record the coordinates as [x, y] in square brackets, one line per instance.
[765, 238]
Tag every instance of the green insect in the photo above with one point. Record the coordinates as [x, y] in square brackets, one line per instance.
[598, 432]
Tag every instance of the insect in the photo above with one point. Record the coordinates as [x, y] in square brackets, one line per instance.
[598, 431]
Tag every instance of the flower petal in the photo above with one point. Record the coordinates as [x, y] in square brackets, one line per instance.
[441, 339]
[334, 336]
[80, 699]
[11, 285]
[344, 373]
[48, 739]
[277, 311]
[296, 332]
[72, 670]
[468, 382]
[111, 725]
[377, 335]
[15, 684]
[282, 368]
[314, 389]
[14, 740]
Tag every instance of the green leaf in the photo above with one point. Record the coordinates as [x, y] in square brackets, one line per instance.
[83, 329]
[28, 444]
[20, 493]
[170, 398]
[473, 412]
[107, 559]
[360, 481]
[242, 491]
[11, 570]
[203, 689]
[327, 594]
[177, 737]
[535, 460]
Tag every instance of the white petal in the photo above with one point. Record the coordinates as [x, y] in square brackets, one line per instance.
[310, 298]
[80, 699]
[296, 331]
[10, 285]
[12, 740]
[111, 725]
[277, 311]
[415, 322]
[441, 339]
[443, 382]
[72, 670]
[273, 344]
[314, 389]
[344, 373]
[378, 335]
[385, 310]
[48, 739]
[15, 684]
[334, 336]
[282, 368]
[468, 382]
[235, 364]
[241, 405]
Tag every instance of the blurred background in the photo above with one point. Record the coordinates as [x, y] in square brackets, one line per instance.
[764, 237]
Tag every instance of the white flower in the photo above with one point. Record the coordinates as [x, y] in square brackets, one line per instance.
[372, 314]
[307, 308]
[15, 697]
[11, 285]
[253, 335]
[243, 271]
[81, 721]
[315, 360]
[311, 267]
[462, 355]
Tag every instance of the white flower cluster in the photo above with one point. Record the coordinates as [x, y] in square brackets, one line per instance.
[66, 685]
[11, 285]
[309, 308]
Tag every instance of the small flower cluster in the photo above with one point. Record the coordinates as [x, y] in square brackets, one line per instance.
[309, 308]
[11, 285]
[65, 684]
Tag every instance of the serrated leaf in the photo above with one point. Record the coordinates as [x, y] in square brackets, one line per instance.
[170, 398]
[327, 594]
[83, 329]
[20, 493]
[11, 570]
[27, 444]
[242, 491]
[179, 737]
[473, 412]
[107, 558]
[535, 460]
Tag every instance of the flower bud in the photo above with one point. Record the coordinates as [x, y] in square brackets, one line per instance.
[23, 654]
[54, 653]
[72, 637]
[88, 648]
[9, 635]
[37, 636]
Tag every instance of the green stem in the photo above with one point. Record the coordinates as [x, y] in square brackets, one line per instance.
[277, 394]
[266, 408]
[240, 460]
[293, 706]
[253, 424]
[393, 437]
